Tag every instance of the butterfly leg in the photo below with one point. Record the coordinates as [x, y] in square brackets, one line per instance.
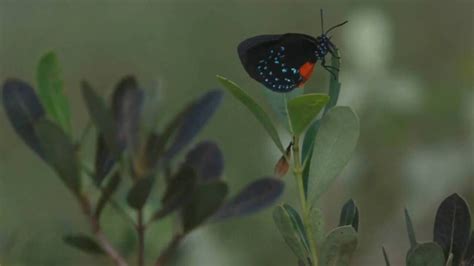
[329, 69]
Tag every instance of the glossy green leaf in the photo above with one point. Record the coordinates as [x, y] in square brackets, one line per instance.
[23, 110]
[59, 152]
[50, 90]
[349, 215]
[453, 227]
[334, 144]
[279, 104]
[84, 243]
[338, 246]
[205, 201]
[410, 230]
[107, 193]
[255, 108]
[291, 233]
[307, 152]
[304, 109]
[425, 254]
[385, 257]
[138, 194]
[334, 84]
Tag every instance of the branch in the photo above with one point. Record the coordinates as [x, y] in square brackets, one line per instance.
[170, 249]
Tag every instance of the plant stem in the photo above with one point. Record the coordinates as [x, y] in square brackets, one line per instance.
[298, 173]
[169, 250]
[141, 238]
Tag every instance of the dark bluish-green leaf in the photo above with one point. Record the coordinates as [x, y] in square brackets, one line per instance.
[307, 152]
[127, 103]
[334, 144]
[23, 110]
[338, 246]
[206, 160]
[107, 193]
[255, 108]
[279, 104]
[334, 84]
[304, 109]
[453, 227]
[101, 116]
[104, 160]
[385, 257]
[139, 193]
[254, 197]
[50, 90]
[349, 215]
[425, 254]
[59, 152]
[196, 115]
[291, 233]
[410, 230]
[84, 243]
[468, 258]
[205, 201]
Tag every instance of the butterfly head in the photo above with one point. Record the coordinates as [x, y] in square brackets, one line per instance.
[323, 42]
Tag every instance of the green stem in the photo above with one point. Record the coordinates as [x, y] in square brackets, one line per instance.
[298, 172]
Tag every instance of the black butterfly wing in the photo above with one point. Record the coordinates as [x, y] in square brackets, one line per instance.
[276, 60]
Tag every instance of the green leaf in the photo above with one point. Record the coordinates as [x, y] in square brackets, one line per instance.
[349, 215]
[255, 108]
[307, 152]
[334, 84]
[338, 246]
[298, 223]
[101, 116]
[385, 257]
[334, 144]
[410, 230]
[426, 254]
[107, 192]
[59, 153]
[317, 221]
[205, 201]
[50, 90]
[304, 109]
[139, 193]
[291, 233]
[279, 104]
[84, 243]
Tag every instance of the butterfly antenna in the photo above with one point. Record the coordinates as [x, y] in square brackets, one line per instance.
[337, 26]
[322, 21]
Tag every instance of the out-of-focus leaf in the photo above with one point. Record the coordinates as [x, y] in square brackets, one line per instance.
[59, 152]
[23, 110]
[410, 230]
[468, 258]
[50, 90]
[307, 152]
[385, 257]
[291, 233]
[283, 165]
[317, 221]
[338, 246]
[425, 254]
[279, 104]
[101, 116]
[452, 227]
[139, 193]
[349, 215]
[193, 120]
[84, 243]
[334, 84]
[206, 160]
[178, 192]
[127, 103]
[304, 109]
[255, 108]
[107, 192]
[206, 200]
[252, 198]
[335, 142]
[104, 160]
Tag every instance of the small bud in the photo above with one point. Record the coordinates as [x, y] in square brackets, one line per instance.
[282, 166]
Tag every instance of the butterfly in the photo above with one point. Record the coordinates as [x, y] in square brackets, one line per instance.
[283, 62]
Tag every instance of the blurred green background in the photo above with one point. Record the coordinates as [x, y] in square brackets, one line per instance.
[407, 70]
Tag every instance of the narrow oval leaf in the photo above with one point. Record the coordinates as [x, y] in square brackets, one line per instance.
[206, 200]
[192, 120]
[84, 243]
[206, 160]
[385, 257]
[410, 230]
[50, 90]
[349, 215]
[334, 145]
[139, 193]
[127, 103]
[104, 160]
[252, 198]
[290, 232]
[23, 110]
[307, 152]
[339, 246]
[59, 153]
[298, 223]
[304, 109]
[453, 227]
[334, 84]
[107, 193]
[425, 254]
[255, 108]
[279, 104]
